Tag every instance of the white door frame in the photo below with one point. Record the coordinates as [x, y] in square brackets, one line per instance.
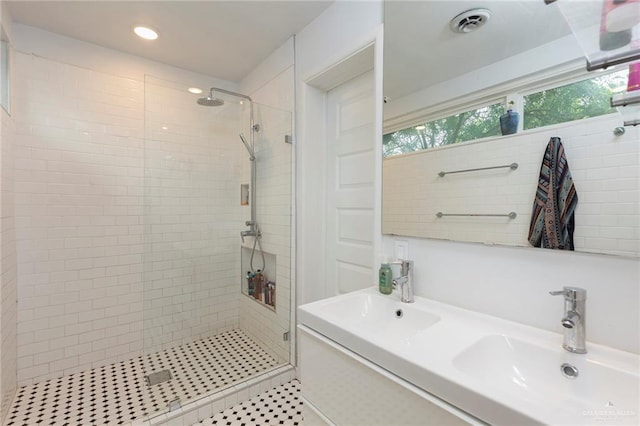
[311, 153]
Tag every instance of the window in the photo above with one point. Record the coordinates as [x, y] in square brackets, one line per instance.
[473, 124]
[575, 101]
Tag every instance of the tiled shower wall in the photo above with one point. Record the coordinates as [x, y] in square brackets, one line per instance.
[8, 273]
[273, 202]
[79, 169]
[80, 218]
[604, 169]
[192, 215]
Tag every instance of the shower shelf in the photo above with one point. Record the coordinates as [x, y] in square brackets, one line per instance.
[267, 286]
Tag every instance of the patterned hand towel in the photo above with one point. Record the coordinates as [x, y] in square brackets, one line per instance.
[553, 216]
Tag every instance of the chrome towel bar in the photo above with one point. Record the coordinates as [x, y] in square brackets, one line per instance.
[512, 166]
[510, 215]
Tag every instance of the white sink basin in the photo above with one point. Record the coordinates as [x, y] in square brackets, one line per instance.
[383, 317]
[499, 371]
[541, 374]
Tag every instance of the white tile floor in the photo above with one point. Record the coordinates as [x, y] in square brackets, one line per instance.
[279, 406]
[117, 393]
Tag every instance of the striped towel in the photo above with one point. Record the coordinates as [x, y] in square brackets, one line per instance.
[553, 216]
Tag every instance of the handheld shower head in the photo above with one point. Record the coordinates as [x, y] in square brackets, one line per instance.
[246, 145]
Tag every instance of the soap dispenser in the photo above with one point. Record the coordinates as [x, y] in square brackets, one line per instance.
[385, 277]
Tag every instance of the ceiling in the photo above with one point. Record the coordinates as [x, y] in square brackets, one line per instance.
[421, 50]
[228, 39]
[223, 39]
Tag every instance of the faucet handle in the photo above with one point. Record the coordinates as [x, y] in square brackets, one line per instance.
[406, 266]
[571, 293]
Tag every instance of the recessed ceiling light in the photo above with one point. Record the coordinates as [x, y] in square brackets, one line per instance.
[145, 33]
[194, 90]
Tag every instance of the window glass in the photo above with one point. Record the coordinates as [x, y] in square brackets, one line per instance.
[465, 126]
[575, 101]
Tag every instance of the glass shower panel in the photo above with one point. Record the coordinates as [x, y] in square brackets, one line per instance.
[201, 334]
[269, 323]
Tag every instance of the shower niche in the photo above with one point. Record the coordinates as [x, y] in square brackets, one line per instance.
[259, 283]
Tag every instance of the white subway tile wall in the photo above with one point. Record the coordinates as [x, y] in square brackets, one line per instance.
[273, 203]
[89, 231]
[605, 171]
[192, 215]
[78, 183]
[8, 271]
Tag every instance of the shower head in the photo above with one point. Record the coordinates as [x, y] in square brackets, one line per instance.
[210, 101]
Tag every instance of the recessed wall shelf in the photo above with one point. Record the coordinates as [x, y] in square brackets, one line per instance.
[261, 288]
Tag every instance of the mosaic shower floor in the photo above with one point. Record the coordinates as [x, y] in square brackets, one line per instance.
[118, 393]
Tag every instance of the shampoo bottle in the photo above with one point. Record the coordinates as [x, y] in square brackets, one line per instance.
[385, 283]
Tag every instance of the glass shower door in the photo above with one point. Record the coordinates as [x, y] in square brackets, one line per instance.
[201, 333]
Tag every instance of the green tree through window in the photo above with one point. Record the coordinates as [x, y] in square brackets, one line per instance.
[584, 99]
[576, 101]
[468, 125]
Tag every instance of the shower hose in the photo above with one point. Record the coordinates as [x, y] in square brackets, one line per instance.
[256, 240]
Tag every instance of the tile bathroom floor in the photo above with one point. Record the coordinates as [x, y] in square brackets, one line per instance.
[118, 393]
[279, 406]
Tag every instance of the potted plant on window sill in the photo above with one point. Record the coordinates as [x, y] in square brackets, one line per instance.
[509, 120]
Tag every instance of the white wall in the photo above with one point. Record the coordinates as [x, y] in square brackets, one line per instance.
[191, 219]
[78, 159]
[513, 283]
[8, 270]
[340, 31]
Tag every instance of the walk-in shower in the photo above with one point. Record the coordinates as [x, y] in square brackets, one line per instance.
[142, 310]
[202, 321]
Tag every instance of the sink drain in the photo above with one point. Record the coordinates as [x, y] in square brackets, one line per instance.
[399, 313]
[569, 371]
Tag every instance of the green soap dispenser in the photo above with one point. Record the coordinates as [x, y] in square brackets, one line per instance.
[385, 277]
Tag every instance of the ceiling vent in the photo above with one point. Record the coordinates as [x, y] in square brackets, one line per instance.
[470, 20]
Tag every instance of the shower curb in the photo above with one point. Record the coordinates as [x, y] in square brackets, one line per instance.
[210, 405]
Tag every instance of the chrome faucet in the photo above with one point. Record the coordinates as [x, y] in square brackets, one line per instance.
[405, 281]
[253, 231]
[574, 319]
